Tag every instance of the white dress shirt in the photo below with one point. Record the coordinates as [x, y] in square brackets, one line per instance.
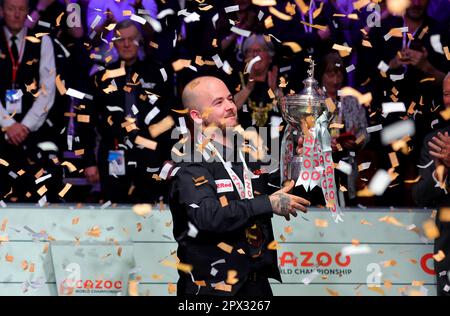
[37, 114]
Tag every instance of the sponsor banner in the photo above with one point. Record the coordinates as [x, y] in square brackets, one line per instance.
[92, 269]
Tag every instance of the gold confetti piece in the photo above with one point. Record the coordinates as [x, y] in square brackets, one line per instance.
[9, 258]
[200, 283]
[171, 288]
[39, 173]
[290, 8]
[156, 277]
[271, 94]
[147, 143]
[4, 163]
[390, 263]
[413, 261]
[417, 283]
[79, 152]
[114, 73]
[445, 114]
[342, 188]
[366, 43]
[376, 289]
[42, 190]
[331, 292]
[161, 127]
[387, 284]
[4, 239]
[206, 8]
[268, 22]
[447, 52]
[424, 31]
[223, 201]
[139, 227]
[316, 26]
[427, 79]
[223, 287]
[430, 229]
[264, 3]
[21, 172]
[75, 220]
[179, 266]
[355, 242]
[273, 245]
[337, 125]
[58, 19]
[362, 98]
[343, 51]
[33, 39]
[288, 229]
[24, 265]
[357, 5]
[231, 277]
[4, 223]
[94, 232]
[439, 256]
[32, 268]
[69, 165]
[282, 238]
[181, 64]
[279, 14]
[65, 190]
[321, 222]
[391, 220]
[444, 214]
[293, 46]
[393, 159]
[225, 247]
[142, 209]
[302, 5]
[133, 288]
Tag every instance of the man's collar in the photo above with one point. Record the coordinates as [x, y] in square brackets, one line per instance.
[20, 35]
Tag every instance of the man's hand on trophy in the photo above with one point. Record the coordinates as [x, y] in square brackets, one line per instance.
[285, 204]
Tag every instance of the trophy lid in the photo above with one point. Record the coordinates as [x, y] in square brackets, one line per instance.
[309, 102]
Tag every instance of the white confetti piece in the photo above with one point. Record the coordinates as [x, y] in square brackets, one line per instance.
[214, 19]
[42, 179]
[2, 203]
[44, 24]
[47, 146]
[42, 201]
[284, 69]
[250, 64]
[193, 205]
[183, 127]
[355, 250]
[151, 115]
[218, 262]
[106, 205]
[75, 93]
[380, 181]
[350, 68]
[232, 8]
[260, 15]
[310, 277]
[425, 166]
[227, 68]
[192, 17]
[94, 23]
[114, 108]
[375, 128]
[383, 66]
[241, 32]
[214, 271]
[364, 166]
[434, 122]
[391, 107]
[435, 41]
[138, 19]
[397, 131]
[164, 13]
[163, 74]
[165, 171]
[154, 24]
[345, 167]
[174, 171]
[193, 231]
[397, 77]
[217, 61]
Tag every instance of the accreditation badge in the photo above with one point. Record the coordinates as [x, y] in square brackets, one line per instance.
[14, 101]
[116, 161]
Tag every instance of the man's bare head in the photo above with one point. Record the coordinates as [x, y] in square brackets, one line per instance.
[210, 103]
[446, 90]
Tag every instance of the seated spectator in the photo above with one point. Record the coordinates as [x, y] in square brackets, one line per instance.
[124, 106]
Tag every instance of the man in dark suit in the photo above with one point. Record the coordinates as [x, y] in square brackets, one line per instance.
[432, 190]
[130, 96]
[221, 208]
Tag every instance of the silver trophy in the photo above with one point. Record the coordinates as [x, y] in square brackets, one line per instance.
[300, 111]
